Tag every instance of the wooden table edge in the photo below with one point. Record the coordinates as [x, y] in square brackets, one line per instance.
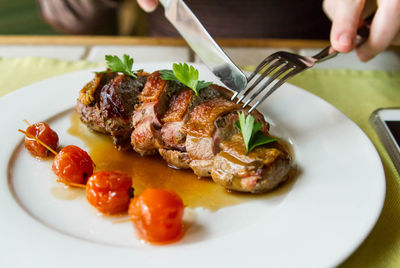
[153, 41]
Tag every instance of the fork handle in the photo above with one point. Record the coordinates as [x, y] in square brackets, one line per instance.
[362, 35]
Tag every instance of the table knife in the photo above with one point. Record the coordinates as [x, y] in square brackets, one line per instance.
[187, 24]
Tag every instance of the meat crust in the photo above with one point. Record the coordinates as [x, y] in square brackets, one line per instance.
[201, 122]
[106, 105]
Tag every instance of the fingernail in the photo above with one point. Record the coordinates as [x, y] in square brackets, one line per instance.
[363, 56]
[345, 39]
[148, 5]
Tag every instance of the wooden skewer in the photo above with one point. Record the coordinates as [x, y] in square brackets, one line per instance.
[38, 140]
[121, 221]
[73, 184]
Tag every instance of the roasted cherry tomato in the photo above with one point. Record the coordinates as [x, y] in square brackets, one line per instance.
[72, 164]
[109, 191]
[157, 215]
[44, 133]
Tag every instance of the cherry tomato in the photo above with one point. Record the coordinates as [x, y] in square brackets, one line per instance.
[109, 191]
[44, 133]
[157, 215]
[72, 164]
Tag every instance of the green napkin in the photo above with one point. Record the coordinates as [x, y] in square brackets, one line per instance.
[355, 93]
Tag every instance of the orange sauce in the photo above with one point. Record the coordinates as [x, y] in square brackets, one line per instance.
[152, 171]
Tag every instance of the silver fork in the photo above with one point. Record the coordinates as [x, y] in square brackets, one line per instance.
[287, 65]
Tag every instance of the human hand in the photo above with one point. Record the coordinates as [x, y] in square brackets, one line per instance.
[346, 16]
[148, 5]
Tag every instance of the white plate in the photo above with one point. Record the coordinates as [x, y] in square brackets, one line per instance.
[325, 215]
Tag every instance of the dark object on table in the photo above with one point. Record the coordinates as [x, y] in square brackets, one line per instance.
[386, 122]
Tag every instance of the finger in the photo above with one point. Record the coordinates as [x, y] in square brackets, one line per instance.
[384, 29]
[148, 5]
[346, 18]
[329, 8]
[396, 40]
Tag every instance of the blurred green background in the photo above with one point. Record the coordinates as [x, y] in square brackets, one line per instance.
[22, 17]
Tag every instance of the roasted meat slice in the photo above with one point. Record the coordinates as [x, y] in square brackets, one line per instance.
[174, 119]
[211, 123]
[88, 106]
[263, 169]
[173, 133]
[201, 122]
[200, 130]
[180, 108]
[106, 105]
[146, 122]
[175, 158]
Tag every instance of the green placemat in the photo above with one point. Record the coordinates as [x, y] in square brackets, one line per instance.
[20, 72]
[356, 93]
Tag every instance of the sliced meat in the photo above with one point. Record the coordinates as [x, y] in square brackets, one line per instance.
[119, 97]
[154, 101]
[200, 148]
[200, 129]
[106, 105]
[225, 127]
[181, 105]
[174, 119]
[173, 136]
[88, 106]
[263, 169]
[202, 168]
[178, 106]
[201, 122]
[146, 137]
[173, 133]
[153, 88]
[210, 124]
[175, 159]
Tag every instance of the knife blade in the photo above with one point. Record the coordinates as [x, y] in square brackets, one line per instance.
[187, 24]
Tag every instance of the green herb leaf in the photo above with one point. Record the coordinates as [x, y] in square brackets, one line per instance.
[260, 139]
[252, 136]
[188, 75]
[246, 127]
[185, 74]
[202, 84]
[168, 75]
[121, 66]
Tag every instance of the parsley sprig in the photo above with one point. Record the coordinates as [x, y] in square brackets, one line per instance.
[185, 74]
[251, 133]
[115, 64]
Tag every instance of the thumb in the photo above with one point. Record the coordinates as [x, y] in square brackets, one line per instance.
[345, 20]
[148, 5]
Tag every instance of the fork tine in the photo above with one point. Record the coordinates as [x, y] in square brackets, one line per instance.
[234, 95]
[270, 69]
[276, 86]
[279, 72]
[260, 66]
